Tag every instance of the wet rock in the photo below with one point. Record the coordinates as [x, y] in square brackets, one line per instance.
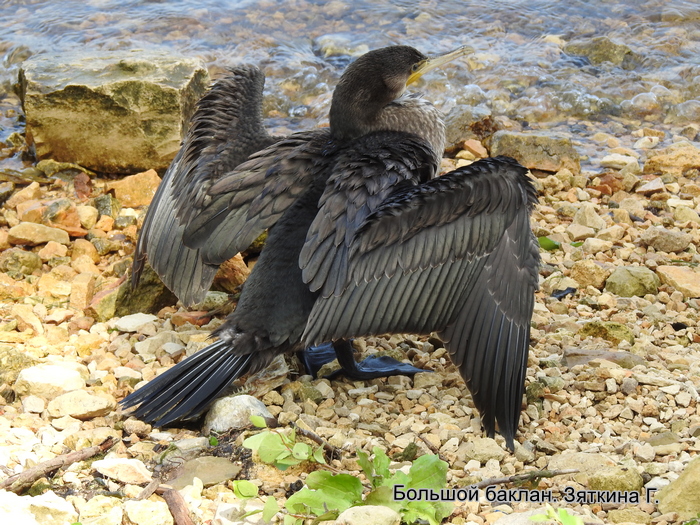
[685, 280]
[134, 322]
[136, 190]
[233, 412]
[139, 101]
[123, 470]
[610, 331]
[590, 273]
[209, 469]
[369, 515]
[666, 240]
[541, 151]
[615, 479]
[49, 381]
[17, 262]
[145, 512]
[602, 49]
[683, 494]
[674, 160]
[101, 510]
[31, 234]
[628, 281]
[81, 405]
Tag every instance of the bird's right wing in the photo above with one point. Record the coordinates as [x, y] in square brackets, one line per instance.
[225, 129]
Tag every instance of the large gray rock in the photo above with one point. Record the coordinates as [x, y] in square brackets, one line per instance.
[110, 111]
[540, 151]
[683, 494]
[627, 281]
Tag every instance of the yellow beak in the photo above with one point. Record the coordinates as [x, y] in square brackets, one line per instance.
[422, 67]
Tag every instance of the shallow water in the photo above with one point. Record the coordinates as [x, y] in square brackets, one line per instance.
[518, 70]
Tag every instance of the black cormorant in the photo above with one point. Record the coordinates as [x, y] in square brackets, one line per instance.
[364, 238]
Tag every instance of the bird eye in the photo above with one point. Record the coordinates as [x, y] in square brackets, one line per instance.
[414, 67]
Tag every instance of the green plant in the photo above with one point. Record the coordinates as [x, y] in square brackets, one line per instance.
[561, 516]
[280, 447]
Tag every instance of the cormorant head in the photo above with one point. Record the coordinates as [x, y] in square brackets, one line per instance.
[375, 80]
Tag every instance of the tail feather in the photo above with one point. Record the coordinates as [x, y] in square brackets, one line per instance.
[187, 389]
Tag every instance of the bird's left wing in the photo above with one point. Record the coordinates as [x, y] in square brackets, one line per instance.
[455, 255]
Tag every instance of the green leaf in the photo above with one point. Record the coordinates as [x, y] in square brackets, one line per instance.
[245, 489]
[271, 448]
[381, 463]
[337, 487]
[213, 442]
[292, 520]
[383, 496]
[319, 456]
[428, 472]
[270, 509]
[365, 464]
[577, 244]
[306, 501]
[258, 421]
[254, 442]
[569, 519]
[548, 244]
[301, 451]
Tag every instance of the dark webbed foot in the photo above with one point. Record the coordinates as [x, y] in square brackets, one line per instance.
[372, 367]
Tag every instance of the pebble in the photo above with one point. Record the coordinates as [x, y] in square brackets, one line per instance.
[123, 470]
[145, 512]
[81, 405]
[134, 322]
[33, 234]
[49, 381]
[233, 413]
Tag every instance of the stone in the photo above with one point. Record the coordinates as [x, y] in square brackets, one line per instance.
[653, 186]
[15, 509]
[31, 192]
[541, 151]
[618, 162]
[46, 509]
[87, 215]
[145, 512]
[82, 290]
[81, 405]
[32, 234]
[134, 322]
[231, 274]
[150, 295]
[590, 273]
[17, 262]
[209, 469]
[615, 479]
[628, 281]
[674, 160]
[233, 413]
[602, 49]
[85, 265]
[50, 380]
[426, 380]
[629, 515]
[33, 404]
[586, 463]
[135, 190]
[578, 232]
[613, 233]
[241, 513]
[683, 494]
[684, 214]
[557, 281]
[51, 250]
[594, 245]
[369, 515]
[82, 248]
[148, 347]
[49, 285]
[684, 279]
[123, 470]
[12, 362]
[578, 356]
[608, 330]
[101, 510]
[483, 449]
[139, 101]
[664, 240]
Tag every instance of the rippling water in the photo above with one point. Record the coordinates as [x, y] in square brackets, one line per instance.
[519, 69]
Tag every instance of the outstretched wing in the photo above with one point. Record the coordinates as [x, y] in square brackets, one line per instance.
[455, 255]
[225, 129]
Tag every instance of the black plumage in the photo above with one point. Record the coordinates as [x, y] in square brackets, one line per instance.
[363, 238]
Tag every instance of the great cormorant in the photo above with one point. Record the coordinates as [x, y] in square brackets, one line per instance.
[364, 238]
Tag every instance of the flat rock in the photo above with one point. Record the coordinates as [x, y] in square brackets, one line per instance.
[134, 322]
[209, 469]
[683, 494]
[618, 161]
[136, 190]
[541, 151]
[684, 279]
[665, 240]
[29, 233]
[369, 515]
[586, 463]
[145, 512]
[483, 449]
[628, 281]
[578, 356]
[615, 479]
[81, 405]
[17, 263]
[49, 380]
[101, 510]
[46, 509]
[123, 470]
[233, 413]
[630, 515]
[608, 330]
[138, 100]
[590, 273]
[674, 160]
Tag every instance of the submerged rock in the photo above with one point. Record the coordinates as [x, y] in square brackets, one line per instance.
[111, 112]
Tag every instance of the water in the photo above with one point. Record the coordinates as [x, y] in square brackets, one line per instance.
[519, 69]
